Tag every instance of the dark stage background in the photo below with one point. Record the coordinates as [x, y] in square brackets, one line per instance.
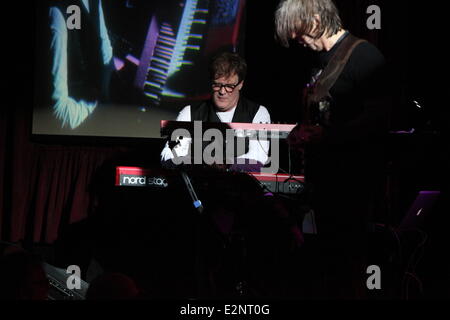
[45, 185]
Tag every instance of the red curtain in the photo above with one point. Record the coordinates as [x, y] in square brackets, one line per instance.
[42, 187]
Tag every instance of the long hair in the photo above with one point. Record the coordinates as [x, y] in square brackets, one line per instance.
[297, 16]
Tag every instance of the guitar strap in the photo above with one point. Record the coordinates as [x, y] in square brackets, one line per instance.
[321, 89]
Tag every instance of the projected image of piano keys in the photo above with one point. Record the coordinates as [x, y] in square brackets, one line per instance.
[169, 53]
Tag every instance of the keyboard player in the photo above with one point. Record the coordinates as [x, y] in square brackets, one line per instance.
[227, 104]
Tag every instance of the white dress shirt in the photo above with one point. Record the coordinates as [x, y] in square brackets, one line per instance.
[257, 150]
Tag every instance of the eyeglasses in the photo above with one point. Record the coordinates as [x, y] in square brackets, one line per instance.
[229, 88]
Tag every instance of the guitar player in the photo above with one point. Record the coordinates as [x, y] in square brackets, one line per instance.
[340, 135]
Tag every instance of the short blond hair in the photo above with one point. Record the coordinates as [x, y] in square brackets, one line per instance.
[297, 16]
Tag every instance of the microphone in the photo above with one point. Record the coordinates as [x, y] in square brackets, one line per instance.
[195, 200]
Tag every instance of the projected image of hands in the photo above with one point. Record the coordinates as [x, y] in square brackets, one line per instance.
[116, 68]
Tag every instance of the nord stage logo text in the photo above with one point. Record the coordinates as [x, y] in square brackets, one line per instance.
[143, 181]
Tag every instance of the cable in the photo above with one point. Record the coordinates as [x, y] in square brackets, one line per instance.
[291, 177]
[399, 244]
[281, 169]
[289, 157]
[419, 252]
[266, 152]
[413, 261]
[262, 185]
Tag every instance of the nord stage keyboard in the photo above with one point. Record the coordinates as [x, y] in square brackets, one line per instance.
[145, 177]
[237, 129]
